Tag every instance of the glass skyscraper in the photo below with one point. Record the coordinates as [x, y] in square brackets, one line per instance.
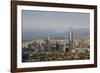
[70, 35]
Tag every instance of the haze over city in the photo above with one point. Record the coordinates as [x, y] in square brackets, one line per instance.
[55, 36]
[39, 24]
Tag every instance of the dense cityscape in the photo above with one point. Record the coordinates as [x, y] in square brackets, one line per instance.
[50, 49]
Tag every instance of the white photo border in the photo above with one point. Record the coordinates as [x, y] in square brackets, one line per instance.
[52, 63]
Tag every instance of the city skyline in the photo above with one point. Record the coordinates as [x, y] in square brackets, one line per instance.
[38, 24]
[55, 50]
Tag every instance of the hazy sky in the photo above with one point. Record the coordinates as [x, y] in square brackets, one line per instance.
[39, 24]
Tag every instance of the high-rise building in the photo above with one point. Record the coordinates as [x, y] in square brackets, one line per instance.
[47, 46]
[47, 39]
[70, 39]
